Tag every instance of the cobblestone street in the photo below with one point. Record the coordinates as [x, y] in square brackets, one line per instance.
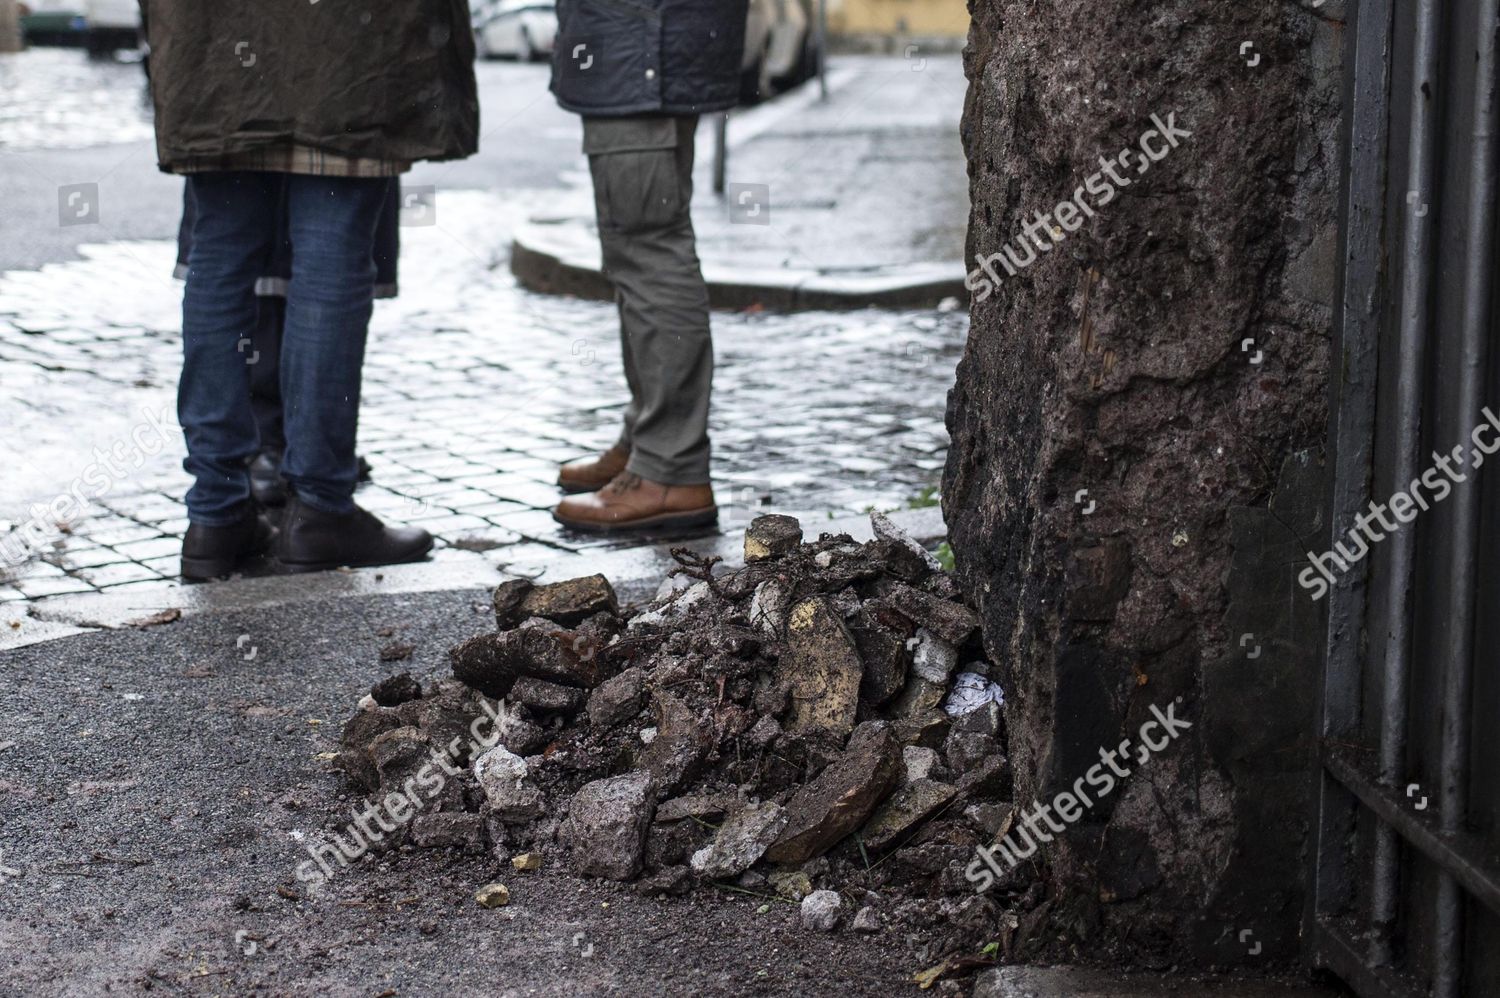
[475, 390]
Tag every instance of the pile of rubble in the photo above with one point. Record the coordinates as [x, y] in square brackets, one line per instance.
[820, 718]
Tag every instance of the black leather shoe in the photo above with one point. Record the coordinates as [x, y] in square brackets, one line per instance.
[266, 483]
[314, 541]
[214, 552]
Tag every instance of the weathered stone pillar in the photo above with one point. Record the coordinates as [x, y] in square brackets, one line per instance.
[1135, 470]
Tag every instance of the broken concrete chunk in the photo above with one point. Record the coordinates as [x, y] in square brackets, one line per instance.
[920, 699]
[507, 602]
[354, 744]
[396, 690]
[618, 698]
[886, 530]
[398, 755]
[866, 920]
[677, 752]
[842, 796]
[607, 824]
[448, 829]
[708, 807]
[884, 657]
[571, 602]
[548, 698]
[983, 720]
[919, 762]
[527, 861]
[966, 749]
[820, 911]
[989, 779]
[933, 659]
[502, 775]
[792, 884]
[928, 729]
[771, 537]
[904, 810]
[988, 818]
[492, 663]
[492, 896]
[768, 608]
[950, 621]
[740, 841]
[821, 666]
[679, 608]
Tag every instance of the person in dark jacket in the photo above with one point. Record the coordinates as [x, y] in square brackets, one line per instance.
[640, 72]
[324, 105]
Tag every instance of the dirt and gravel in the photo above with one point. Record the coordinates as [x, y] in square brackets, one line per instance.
[159, 787]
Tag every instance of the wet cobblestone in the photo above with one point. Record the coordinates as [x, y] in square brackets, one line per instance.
[475, 390]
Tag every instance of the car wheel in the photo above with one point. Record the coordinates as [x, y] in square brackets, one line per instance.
[481, 48]
[528, 47]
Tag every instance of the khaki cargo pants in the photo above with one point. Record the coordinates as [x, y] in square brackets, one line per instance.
[643, 186]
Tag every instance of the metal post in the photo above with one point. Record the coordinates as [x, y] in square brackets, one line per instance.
[1352, 435]
[721, 150]
[1417, 264]
[823, 48]
[1463, 555]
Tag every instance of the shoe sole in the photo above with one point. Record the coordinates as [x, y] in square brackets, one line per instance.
[307, 567]
[663, 521]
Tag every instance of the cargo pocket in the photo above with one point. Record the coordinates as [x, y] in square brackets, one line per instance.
[634, 164]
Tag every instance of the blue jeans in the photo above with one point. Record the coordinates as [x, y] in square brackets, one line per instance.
[331, 221]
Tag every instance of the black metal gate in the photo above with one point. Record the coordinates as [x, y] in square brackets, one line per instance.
[1406, 878]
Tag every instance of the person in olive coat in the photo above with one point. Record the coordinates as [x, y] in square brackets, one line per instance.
[324, 106]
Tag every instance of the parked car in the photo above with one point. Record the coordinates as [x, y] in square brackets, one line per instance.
[111, 25]
[515, 29]
[781, 48]
[51, 22]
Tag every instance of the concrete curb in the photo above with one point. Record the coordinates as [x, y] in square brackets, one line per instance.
[635, 573]
[560, 254]
[562, 258]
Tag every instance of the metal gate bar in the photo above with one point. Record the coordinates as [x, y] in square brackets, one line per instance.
[1463, 549]
[1369, 941]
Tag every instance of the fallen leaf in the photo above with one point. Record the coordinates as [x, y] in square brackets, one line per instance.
[167, 616]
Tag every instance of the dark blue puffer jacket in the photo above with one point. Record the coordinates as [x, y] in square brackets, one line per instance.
[623, 57]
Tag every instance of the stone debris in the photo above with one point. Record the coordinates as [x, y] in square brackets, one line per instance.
[607, 824]
[740, 842]
[771, 537]
[908, 807]
[571, 602]
[820, 911]
[822, 668]
[841, 797]
[778, 728]
[493, 896]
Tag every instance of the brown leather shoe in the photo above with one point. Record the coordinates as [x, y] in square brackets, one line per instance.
[593, 473]
[630, 502]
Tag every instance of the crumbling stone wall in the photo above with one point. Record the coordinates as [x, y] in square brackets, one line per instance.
[1134, 469]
